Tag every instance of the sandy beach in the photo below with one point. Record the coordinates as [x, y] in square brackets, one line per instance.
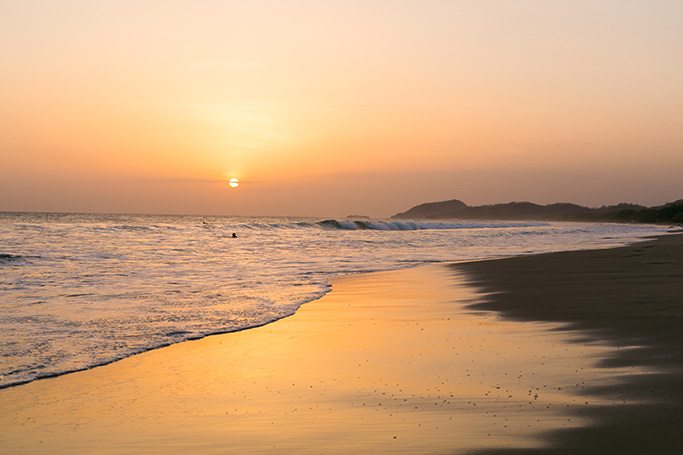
[468, 358]
[631, 298]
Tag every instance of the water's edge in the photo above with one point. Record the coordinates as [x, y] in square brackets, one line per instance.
[328, 287]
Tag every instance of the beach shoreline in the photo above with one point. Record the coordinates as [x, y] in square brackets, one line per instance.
[139, 398]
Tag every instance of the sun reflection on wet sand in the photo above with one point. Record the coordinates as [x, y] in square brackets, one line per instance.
[389, 361]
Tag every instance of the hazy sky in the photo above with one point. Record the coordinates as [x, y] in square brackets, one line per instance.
[327, 108]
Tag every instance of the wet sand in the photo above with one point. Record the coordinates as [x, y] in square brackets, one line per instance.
[393, 362]
[631, 298]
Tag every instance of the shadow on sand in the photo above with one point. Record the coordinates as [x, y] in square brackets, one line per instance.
[631, 298]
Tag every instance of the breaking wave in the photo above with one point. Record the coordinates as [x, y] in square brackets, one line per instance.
[408, 225]
[6, 258]
[389, 225]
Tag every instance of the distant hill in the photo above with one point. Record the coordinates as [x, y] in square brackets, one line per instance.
[561, 211]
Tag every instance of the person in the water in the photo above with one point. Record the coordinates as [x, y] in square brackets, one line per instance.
[234, 236]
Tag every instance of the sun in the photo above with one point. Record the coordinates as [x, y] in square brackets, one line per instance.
[233, 183]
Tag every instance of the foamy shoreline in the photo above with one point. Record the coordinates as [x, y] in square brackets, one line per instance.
[12, 380]
[386, 358]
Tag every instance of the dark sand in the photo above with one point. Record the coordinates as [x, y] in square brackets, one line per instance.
[630, 297]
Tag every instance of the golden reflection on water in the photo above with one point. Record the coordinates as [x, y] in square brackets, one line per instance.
[390, 362]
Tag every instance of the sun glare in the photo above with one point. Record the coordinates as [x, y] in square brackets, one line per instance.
[233, 183]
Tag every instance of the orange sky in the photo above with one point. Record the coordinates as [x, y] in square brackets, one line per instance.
[337, 107]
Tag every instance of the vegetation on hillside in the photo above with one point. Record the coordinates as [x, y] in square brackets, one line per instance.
[456, 209]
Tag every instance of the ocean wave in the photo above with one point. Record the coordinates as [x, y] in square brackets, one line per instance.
[122, 227]
[37, 371]
[386, 225]
[6, 258]
[409, 225]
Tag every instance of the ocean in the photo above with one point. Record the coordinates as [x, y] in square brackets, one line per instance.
[81, 290]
